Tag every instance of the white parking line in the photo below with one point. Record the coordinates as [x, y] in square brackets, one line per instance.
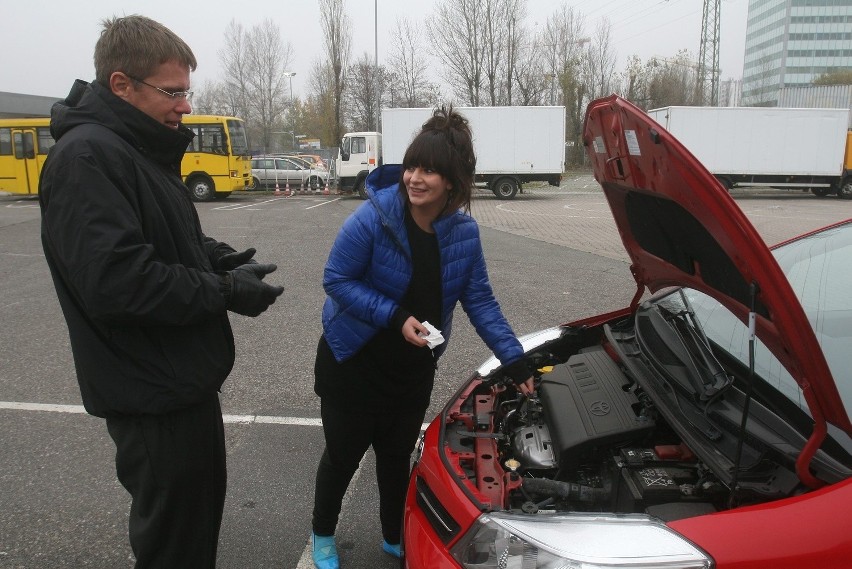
[231, 419]
[323, 203]
[244, 206]
[265, 419]
[42, 407]
[305, 561]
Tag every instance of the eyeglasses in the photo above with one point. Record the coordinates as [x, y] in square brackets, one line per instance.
[173, 94]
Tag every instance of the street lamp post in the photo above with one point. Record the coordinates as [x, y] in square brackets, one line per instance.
[290, 74]
[376, 60]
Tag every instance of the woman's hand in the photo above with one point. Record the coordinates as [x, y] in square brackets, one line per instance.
[526, 388]
[411, 330]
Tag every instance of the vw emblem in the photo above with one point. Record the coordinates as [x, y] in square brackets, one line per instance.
[599, 408]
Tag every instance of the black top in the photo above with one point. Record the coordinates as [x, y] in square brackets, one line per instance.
[389, 370]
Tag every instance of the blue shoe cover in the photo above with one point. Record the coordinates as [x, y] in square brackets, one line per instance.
[391, 549]
[324, 552]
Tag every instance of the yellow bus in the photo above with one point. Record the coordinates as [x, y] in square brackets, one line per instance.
[216, 163]
[24, 144]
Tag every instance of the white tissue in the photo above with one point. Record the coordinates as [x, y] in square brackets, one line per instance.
[434, 337]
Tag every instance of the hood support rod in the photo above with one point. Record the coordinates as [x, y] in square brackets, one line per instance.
[812, 446]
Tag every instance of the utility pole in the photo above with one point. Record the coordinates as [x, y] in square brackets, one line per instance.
[376, 62]
[290, 74]
[707, 86]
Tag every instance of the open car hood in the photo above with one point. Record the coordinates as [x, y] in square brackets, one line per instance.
[682, 228]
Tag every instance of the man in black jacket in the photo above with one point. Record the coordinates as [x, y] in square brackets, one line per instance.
[144, 292]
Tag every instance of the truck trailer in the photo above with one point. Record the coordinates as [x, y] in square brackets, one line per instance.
[513, 145]
[793, 148]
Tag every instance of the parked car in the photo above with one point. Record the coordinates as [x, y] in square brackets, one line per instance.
[315, 159]
[704, 425]
[272, 171]
[301, 160]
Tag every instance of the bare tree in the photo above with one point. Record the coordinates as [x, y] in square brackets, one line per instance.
[318, 112]
[213, 98]
[362, 95]
[337, 31]
[409, 84]
[671, 81]
[254, 87]
[455, 32]
[267, 59]
[516, 11]
[529, 75]
[599, 62]
[234, 61]
[500, 19]
[634, 82]
[562, 42]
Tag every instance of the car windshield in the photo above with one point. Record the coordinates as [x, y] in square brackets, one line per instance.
[820, 273]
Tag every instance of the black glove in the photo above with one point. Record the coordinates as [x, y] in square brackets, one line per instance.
[230, 261]
[245, 291]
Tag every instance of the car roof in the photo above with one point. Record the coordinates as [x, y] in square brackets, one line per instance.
[682, 228]
[289, 156]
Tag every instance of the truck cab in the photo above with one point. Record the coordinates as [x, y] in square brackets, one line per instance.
[360, 153]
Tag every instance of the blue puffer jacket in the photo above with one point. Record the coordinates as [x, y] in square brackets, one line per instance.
[369, 268]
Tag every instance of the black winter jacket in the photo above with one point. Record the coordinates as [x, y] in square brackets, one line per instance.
[133, 271]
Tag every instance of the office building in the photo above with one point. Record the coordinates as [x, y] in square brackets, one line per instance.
[789, 43]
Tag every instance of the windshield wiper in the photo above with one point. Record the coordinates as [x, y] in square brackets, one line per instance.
[684, 338]
[705, 369]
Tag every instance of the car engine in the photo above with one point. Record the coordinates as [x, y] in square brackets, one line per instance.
[590, 440]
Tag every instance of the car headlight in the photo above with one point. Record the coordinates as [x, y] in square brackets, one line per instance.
[575, 541]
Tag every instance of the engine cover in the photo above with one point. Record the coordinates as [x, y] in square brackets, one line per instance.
[588, 406]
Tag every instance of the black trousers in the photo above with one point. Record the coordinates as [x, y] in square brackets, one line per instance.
[173, 465]
[349, 432]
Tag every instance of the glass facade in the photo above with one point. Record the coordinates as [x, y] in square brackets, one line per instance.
[789, 43]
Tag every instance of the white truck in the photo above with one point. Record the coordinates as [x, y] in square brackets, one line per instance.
[360, 153]
[513, 145]
[792, 148]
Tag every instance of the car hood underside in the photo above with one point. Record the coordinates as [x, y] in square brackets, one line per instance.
[681, 228]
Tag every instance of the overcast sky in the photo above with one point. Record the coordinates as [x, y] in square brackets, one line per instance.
[49, 43]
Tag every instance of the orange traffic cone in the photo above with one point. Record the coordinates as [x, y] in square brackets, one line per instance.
[325, 192]
[277, 189]
[287, 189]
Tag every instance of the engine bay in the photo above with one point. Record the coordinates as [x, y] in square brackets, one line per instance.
[593, 439]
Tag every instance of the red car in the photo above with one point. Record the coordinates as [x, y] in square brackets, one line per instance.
[704, 425]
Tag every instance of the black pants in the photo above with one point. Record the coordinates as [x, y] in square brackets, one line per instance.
[349, 432]
[173, 465]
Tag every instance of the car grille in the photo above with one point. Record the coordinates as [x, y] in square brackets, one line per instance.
[444, 525]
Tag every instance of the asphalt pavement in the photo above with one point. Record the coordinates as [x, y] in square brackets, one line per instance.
[553, 255]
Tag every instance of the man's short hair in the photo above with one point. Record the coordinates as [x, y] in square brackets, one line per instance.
[137, 46]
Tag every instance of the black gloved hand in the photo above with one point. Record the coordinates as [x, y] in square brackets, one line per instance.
[247, 294]
[231, 261]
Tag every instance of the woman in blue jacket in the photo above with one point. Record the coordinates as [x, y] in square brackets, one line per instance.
[403, 258]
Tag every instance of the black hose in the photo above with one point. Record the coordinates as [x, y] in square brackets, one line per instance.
[565, 490]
